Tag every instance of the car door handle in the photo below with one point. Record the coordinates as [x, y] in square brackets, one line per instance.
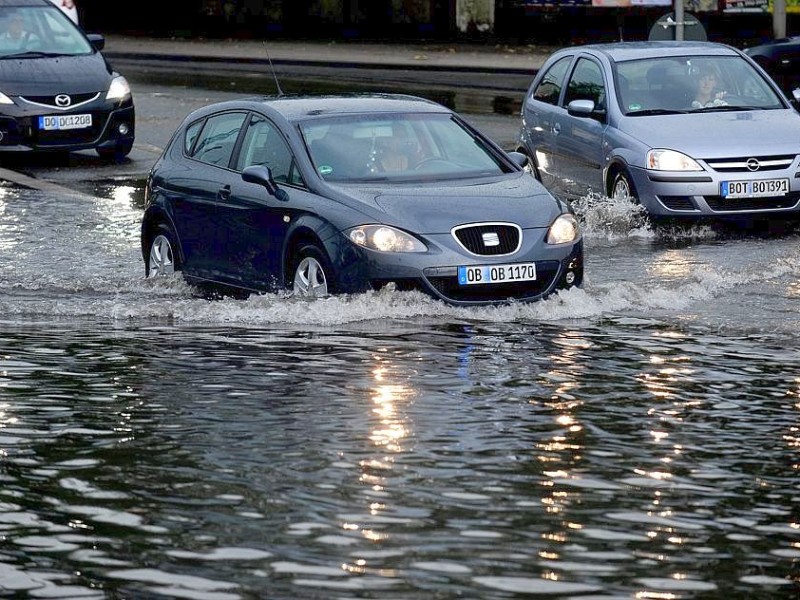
[556, 128]
[224, 193]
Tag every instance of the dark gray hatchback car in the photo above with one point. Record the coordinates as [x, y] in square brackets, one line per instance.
[57, 91]
[344, 194]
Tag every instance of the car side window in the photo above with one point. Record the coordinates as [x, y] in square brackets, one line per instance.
[549, 88]
[264, 145]
[586, 83]
[217, 138]
[191, 136]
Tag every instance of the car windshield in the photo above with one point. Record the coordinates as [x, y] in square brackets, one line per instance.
[27, 31]
[678, 84]
[397, 147]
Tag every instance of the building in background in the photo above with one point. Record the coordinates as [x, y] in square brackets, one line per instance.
[740, 22]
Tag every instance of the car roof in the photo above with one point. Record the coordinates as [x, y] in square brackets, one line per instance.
[300, 107]
[622, 51]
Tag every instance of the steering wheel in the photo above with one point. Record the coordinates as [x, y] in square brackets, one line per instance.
[431, 160]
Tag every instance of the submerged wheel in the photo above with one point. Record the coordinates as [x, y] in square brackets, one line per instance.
[162, 259]
[115, 154]
[311, 273]
[622, 187]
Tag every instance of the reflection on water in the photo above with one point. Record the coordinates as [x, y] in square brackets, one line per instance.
[634, 439]
[418, 459]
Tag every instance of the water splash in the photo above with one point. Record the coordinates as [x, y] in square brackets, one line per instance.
[611, 219]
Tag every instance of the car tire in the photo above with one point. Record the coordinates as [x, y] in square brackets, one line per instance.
[622, 187]
[162, 258]
[115, 154]
[311, 273]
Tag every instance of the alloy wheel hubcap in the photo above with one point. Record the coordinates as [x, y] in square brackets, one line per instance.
[309, 279]
[162, 262]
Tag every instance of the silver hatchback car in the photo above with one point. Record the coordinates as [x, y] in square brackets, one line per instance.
[689, 129]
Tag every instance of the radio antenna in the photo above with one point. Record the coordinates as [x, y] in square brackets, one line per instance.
[272, 68]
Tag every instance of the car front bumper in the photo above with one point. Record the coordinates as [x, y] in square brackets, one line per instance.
[672, 194]
[436, 272]
[110, 128]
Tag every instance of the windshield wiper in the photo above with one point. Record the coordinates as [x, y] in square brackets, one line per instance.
[656, 111]
[726, 108]
[33, 54]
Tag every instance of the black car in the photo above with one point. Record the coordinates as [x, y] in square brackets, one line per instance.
[57, 91]
[781, 59]
[343, 194]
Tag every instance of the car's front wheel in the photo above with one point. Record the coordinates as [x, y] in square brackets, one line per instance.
[622, 187]
[115, 154]
[162, 258]
[312, 273]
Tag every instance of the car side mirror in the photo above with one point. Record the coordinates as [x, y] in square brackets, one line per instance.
[520, 159]
[97, 40]
[581, 108]
[261, 175]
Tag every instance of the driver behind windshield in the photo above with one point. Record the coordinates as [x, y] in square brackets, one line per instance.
[16, 35]
[707, 92]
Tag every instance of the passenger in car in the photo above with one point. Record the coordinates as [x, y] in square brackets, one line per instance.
[16, 36]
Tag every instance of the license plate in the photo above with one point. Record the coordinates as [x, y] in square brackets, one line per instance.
[754, 189]
[57, 122]
[497, 273]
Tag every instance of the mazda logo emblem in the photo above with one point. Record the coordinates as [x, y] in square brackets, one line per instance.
[753, 164]
[63, 100]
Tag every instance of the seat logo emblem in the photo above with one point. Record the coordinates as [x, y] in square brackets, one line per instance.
[63, 100]
[491, 239]
[753, 164]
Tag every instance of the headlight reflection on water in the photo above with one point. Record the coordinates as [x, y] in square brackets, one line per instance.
[9, 226]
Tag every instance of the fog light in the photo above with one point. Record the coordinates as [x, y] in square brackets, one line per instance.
[123, 129]
[569, 278]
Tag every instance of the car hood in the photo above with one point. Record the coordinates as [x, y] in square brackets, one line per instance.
[438, 208]
[54, 75]
[715, 135]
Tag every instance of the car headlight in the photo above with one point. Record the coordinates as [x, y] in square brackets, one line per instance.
[669, 160]
[118, 89]
[384, 239]
[563, 230]
[5, 99]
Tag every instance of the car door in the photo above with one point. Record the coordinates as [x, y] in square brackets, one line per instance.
[194, 191]
[251, 223]
[579, 137]
[538, 118]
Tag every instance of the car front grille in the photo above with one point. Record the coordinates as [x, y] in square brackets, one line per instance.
[683, 203]
[546, 272]
[489, 239]
[744, 164]
[76, 100]
[720, 204]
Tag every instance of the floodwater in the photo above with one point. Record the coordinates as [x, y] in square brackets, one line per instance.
[637, 438]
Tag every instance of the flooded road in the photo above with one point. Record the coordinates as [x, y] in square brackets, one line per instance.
[638, 438]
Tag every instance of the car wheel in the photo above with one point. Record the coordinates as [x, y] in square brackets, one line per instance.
[311, 273]
[115, 154]
[162, 258]
[622, 187]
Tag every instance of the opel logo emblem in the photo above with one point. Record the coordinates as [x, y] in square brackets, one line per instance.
[753, 164]
[63, 101]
